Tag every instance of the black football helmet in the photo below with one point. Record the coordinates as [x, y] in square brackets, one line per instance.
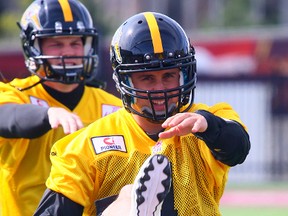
[52, 18]
[152, 41]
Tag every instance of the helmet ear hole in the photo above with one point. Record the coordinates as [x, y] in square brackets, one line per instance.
[87, 42]
[36, 48]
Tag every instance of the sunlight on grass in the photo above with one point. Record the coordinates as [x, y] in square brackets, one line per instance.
[252, 211]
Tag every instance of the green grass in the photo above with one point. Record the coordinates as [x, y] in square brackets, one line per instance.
[268, 185]
[254, 211]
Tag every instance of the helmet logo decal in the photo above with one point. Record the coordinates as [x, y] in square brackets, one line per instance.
[117, 53]
[31, 15]
[36, 20]
[154, 31]
[115, 41]
[68, 17]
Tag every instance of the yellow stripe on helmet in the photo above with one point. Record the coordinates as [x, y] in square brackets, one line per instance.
[68, 17]
[35, 18]
[154, 32]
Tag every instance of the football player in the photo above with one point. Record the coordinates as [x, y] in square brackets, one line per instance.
[60, 45]
[155, 72]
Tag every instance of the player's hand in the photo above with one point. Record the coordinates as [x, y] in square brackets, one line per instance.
[61, 117]
[182, 124]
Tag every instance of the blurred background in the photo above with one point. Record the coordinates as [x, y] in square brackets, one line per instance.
[242, 58]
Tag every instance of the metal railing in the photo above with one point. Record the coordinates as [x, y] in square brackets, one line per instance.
[263, 107]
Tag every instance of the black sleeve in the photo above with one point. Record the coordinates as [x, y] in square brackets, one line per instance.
[227, 140]
[23, 121]
[103, 203]
[53, 203]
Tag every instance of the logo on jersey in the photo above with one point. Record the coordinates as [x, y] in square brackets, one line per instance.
[107, 109]
[38, 102]
[108, 143]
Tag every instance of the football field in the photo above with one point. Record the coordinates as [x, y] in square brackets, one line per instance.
[267, 200]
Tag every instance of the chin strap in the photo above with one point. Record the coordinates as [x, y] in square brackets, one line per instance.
[29, 87]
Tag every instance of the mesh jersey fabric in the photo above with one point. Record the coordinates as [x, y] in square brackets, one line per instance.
[25, 163]
[98, 161]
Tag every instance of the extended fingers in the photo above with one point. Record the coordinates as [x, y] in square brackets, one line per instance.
[178, 126]
[70, 122]
[183, 124]
[174, 120]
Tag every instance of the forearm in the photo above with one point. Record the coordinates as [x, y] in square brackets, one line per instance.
[227, 140]
[23, 121]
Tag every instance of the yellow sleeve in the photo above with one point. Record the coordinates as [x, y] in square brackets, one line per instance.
[71, 174]
[9, 94]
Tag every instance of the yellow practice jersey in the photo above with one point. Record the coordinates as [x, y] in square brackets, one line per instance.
[25, 163]
[97, 162]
